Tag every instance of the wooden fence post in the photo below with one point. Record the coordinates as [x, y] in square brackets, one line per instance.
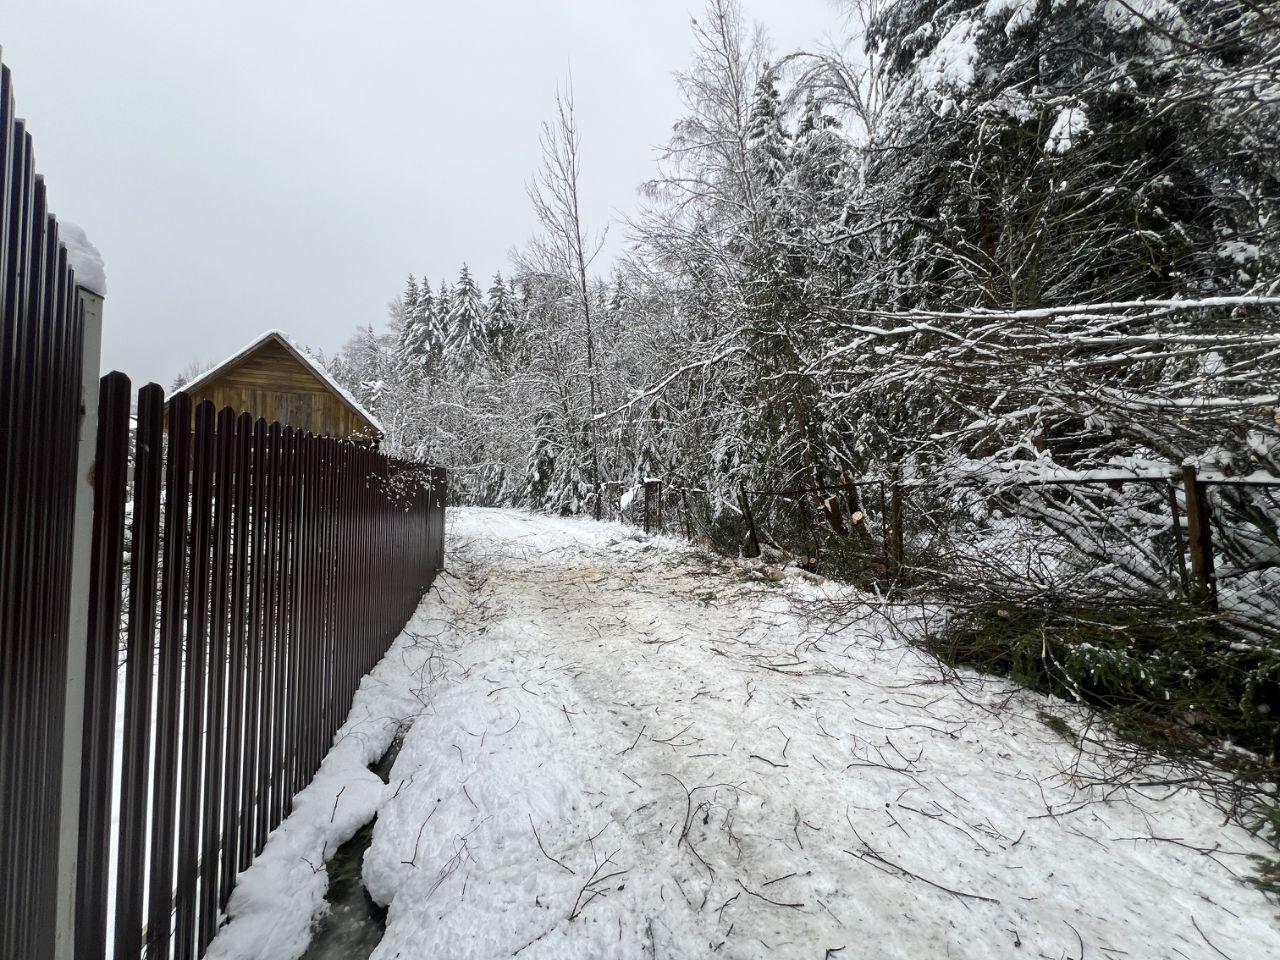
[751, 522]
[895, 525]
[1179, 546]
[646, 506]
[1199, 539]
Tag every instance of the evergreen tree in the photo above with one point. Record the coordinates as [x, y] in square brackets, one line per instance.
[411, 349]
[408, 304]
[1053, 157]
[500, 319]
[428, 320]
[466, 320]
[444, 318]
[766, 138]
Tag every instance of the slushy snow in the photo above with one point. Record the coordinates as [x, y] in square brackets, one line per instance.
[619, 747]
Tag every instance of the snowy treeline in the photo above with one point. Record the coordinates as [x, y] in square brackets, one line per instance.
[978, 233]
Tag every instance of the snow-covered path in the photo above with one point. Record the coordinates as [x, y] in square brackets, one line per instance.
[619, 747]
[625, 751]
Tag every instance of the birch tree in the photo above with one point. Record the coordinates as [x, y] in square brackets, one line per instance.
[560, 258]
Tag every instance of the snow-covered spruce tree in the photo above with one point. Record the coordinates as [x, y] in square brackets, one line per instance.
[428, 317]
[780, 285]
[500, 321]
[444, 316]
[414, 349]
[466, 324]
[1059, 161]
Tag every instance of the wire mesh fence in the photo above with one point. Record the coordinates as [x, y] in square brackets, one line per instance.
[1094, 537]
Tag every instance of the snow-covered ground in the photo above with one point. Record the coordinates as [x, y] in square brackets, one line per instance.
[621, 748]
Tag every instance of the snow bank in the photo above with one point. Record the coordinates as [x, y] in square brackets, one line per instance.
[84, 258]
[282, 893]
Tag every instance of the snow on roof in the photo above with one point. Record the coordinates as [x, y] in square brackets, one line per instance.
[302, 356]
[83, 257]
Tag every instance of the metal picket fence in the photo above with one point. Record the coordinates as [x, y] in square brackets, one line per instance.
[279, 566]
[41, 327]
[188, 598]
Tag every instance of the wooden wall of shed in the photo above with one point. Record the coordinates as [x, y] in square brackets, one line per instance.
[272, 384]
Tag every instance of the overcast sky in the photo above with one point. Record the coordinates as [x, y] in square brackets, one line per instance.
[247, 164]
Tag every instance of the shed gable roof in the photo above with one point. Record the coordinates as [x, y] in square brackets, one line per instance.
[279, 339]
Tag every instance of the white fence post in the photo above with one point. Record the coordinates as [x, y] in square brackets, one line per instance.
[77, 632]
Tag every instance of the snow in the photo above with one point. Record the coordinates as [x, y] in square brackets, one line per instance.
[950, 64]
[623, 747]
[1020, 12]
[1071, 123]
[84, 258]
[1140, 14]
[1239, 251]
[629, 496]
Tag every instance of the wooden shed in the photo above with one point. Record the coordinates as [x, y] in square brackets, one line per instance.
[274, 379]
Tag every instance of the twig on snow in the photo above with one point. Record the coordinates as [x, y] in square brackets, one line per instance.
[335, 804]
[592, 882]
[873, 856]
[634, 742]
[1206, 939]
[776, 903]
[544, 851]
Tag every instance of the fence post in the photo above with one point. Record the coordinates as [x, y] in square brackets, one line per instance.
[751, 522]
[78, 627]
[895, 524]
[646, 506]
[1199, 539]
[1171, 493]
[110, 483]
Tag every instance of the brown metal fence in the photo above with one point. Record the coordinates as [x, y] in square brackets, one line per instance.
[239, 580]
[41, 321]
[279, 567]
